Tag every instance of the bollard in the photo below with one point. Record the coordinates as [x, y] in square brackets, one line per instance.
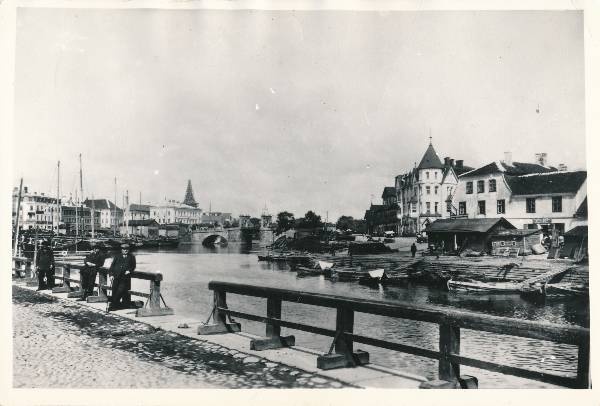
[344, 356]
[273, 337]
[66, 275]
[220, 324]
[449, 344]
[153, 304]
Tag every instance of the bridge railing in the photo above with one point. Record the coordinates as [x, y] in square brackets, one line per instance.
[154, 297]
[450, 323]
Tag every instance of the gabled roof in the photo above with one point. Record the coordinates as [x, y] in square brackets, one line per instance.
[578, 231]
[388, 191]
[145, 222]
[139, 207]
[430, 159]
[515, 169]
[546, 183]
[101, 204]
[459, 170]
[582, 209]
[467, 225]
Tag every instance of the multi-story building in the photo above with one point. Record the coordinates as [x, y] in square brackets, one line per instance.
[138, 212]
[216, 219]
[110, 215]
[171, 212]
[529, 195]
[78, 219]
[386, 216]
[36, 210]
[425, 193]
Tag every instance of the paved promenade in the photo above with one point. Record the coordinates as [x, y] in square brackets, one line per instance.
[62, 344]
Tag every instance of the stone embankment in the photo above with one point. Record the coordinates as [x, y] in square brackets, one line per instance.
[60, 344]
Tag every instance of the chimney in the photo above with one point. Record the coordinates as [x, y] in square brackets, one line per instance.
[452, 163]
[562, 167]
[25, 189]
[446, 161]
[508, 158]
[541, 158]
[459, 163]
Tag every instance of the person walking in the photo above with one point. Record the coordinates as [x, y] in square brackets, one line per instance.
[122, 267]
[93, 262]
[45, 267]
[413, 249]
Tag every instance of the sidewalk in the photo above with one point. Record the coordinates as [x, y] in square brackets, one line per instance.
[61, 343]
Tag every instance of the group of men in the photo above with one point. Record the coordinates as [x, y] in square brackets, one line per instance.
[121, 269]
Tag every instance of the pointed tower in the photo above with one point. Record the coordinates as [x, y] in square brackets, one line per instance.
[430, 159]
[189, 196]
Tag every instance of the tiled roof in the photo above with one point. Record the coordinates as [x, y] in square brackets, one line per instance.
[467, 225]
[388, 191]
[101, 204]
[582, 209]
[139, 207]
[430, 159]
[577, 231]
[546, 183]
[516, 169]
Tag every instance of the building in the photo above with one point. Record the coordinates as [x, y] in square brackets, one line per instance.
[77, 219]
[36, 210]
[139, 211]
[147, 228]
[174, 212]
[110, 215]
[529, 195]
[216, 219]
[189, 196]
[384, 217]
[460, 234]
[425, 193]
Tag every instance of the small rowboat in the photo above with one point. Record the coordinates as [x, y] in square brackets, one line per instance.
[472, 286]
[303, 271]
[373, 278]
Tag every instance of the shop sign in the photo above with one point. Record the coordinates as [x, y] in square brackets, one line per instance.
[543, 220]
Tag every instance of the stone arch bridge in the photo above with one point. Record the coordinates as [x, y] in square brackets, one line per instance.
[230, 235]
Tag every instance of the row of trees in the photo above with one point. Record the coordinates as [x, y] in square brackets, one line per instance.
[286, 221]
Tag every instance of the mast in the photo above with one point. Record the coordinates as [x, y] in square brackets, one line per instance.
[58, 211]
[127, 213]
[76, 220]
[15, 253]
[79, 202]
[93, 215]
[115, 211]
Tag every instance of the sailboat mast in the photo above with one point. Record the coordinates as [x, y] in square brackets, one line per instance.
[15, 253]
[115, 211]
[58, 198]
[79, 202]
[93, 215]
[127, 212]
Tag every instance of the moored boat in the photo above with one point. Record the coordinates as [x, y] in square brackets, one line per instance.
[473, 286]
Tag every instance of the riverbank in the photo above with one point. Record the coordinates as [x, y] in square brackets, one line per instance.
[60, 343]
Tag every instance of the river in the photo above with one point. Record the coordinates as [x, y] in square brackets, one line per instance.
[188, 269]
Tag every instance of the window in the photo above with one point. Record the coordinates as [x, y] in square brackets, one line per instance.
[462, 207]
[469, 188]
[501, 208]
[428, 205]
[449, 207]
[481, 207]
[556, 204]
[530, 205]
[428, 189]
[427, 175]
[436, 208]
[480, 187]
[436, 190]
[413, 207]
[492, 185]
[435, 175]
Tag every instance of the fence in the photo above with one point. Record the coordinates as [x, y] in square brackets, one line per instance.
[450, 324]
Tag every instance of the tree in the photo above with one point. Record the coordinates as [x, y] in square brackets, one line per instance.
[285, 221]
[310, 220]
[255, 223]
[344, 223]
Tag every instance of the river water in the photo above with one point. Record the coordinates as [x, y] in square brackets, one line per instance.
[188, 269]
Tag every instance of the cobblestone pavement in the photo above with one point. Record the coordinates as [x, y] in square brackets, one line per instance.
[58, 344]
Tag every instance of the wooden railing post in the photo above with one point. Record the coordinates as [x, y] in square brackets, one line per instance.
[583, 365]
[154, 308]
[344, 355]
[273, 337]
[449, 343]
[79, 291]
[220, 324]
[66, 275]
[102, 290]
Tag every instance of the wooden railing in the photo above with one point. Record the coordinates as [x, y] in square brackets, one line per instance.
[153, 304]
[450, 323]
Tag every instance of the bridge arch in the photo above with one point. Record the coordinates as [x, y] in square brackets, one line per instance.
[214, 240]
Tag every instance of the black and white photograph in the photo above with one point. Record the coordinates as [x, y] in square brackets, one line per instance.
[292, 196]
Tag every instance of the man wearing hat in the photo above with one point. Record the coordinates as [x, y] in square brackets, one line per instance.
[93, 262]
[45, 267]
[122, 266]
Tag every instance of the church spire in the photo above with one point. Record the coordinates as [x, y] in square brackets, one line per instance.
[189, 196]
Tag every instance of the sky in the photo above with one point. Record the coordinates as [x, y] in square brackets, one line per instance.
[295, 110]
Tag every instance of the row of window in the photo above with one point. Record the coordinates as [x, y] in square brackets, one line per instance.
[501, 206]
[481, 186]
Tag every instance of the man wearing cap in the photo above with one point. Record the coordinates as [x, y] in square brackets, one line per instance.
[122, 266]
[45, 267]
[93, 262]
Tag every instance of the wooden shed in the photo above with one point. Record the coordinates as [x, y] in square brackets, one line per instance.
[514, 242]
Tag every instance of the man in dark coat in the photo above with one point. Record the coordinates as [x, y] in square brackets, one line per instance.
[122, 266]
[45, 267]
[413, 249]
[93, 262]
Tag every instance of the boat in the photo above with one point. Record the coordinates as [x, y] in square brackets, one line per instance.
[373, 278]
[542, 291]
[349, 273]
[473, 286]
[303, 271]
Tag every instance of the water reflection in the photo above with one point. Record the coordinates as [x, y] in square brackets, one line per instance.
[188, 269]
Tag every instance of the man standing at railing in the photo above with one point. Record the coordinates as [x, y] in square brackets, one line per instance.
[93, 262]
[122, 267]
[45, 267]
